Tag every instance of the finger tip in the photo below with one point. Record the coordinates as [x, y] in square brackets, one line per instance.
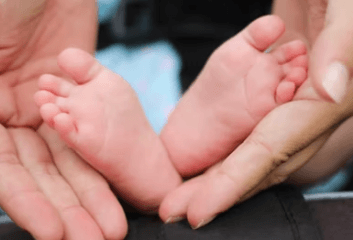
[113, 222]
[196, 217]
[174, 220]
[54, 228]
[202, 223]
[169, 214]
[330, 83]
[163, 212]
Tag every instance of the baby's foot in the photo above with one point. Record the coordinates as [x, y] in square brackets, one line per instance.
[239, 85]
[99, 116]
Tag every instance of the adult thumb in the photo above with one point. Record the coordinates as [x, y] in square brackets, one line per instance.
[331, 59]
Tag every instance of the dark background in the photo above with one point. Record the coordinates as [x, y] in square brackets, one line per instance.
[195, 27]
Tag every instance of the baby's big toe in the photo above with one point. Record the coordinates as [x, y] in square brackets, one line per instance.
[79, 65]
[263, 32]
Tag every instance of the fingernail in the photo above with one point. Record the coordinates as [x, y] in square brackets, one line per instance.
[174, 220]
[203, 223]
[336, 80]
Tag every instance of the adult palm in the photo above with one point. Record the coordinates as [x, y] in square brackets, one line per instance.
[45, 187]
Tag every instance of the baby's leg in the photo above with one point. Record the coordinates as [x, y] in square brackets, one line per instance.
[99, 116]
[239, 85]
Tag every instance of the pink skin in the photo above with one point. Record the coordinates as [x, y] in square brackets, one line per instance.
[239, 85]
[99, 116]
[46, 188]
[281, 73]
[304, 124]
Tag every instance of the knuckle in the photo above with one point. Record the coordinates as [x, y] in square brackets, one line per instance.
[259, 140]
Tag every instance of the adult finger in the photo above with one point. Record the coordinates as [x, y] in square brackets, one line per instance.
[175, 205]
[296, 162]
[22, 199]
[90, 187]
[32, 152]
[331, 60]
[280, 135]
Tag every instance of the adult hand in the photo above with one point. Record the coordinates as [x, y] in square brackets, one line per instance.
[327, 26]
[282, 143]
[45, 187]
[288, 137]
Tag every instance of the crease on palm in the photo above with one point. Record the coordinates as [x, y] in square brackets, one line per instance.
[324, 119]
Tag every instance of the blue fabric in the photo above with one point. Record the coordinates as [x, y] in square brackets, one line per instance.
[106, 9]
[335, 183]
[152, 71]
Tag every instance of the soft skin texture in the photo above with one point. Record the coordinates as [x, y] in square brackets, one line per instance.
[98, 114]
[45, 187]
[238, 86]
[283, 142]
[31, 39]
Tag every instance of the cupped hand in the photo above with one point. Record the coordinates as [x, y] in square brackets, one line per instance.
[283, 142]
[291, 135]
[45, 187]
[327, 25]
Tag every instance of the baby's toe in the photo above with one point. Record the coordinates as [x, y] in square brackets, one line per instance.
[285, 92]
[44, 97]
[296, 75]
[63, 104]
[55, 85]
[300, 61]
[80, 65]
[293, 79]
[289, 51]
[65, 126]
[48, 112]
